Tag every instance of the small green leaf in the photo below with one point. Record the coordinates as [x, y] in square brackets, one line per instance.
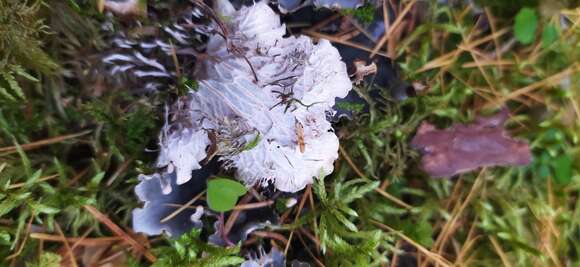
[13, 84]
[5, 238]
[74, 5]
[6, 95]
[544, 171]
[7, 206]
[563, 169]
[43, 208]
[25, 161]
[223, 193]
[252, 143]
[526, 25]
[342, 219]
[33, 179]
[549, 35]
[187, 85]
[20, 71]
[61, 171]
[96, 180]
[424, 234]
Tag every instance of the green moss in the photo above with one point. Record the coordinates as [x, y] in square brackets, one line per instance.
[365, 14]
[20, 33]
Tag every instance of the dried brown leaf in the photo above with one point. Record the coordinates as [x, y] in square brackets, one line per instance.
[464, 148]
[362, 70]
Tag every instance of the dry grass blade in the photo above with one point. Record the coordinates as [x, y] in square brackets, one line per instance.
[182, 208]
[73, 260]
[118, 231]
[83, 236]
[362, 175]
[78, 241]
[298, 211]
[43, 179]
[271, 235]
[119, 171]
[106, 260]
[393, 198]
[493, 26]
[23, 242]
[468, 244]
[527, 89]
[45, 142]
[450, 226]
[500, 252]
[449, 58]
[488, 63]
[316, 260]
[395, 259]
[340, 41]
[360, 28]
[234, 215]
[392, 28]
[431, 255]
[311, 237]
[482, 71]
[254, 205]
[323, 23]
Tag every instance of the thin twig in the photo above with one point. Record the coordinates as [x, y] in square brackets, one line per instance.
[298, 211]
[392, 28]
[450, 57]
[46, 178]
[500, 252]
[256, 205]
[78, 241]
[45, 142]
[118, 231]
[67, 246]
[83, 237]
[493, 27]
[486, 63]
[182, 208]
[434, 256]
[449, 227]
[527, 89]
[343, 42]
[393, 198]
[234, 215]
[271, 235]
[362, 175]
[103, 262]
[316, 260]
[119, 171]
[23, 242]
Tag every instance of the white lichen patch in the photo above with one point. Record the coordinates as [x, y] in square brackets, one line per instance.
[261, 106]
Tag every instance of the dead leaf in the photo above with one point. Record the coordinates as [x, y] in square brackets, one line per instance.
[362, 70]
[464, 148]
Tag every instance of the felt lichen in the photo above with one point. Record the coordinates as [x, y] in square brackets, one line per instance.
[261, 106]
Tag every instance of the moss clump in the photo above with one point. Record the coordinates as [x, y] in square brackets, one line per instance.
[20, 33]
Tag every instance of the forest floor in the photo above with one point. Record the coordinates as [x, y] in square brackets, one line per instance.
[72, 146]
